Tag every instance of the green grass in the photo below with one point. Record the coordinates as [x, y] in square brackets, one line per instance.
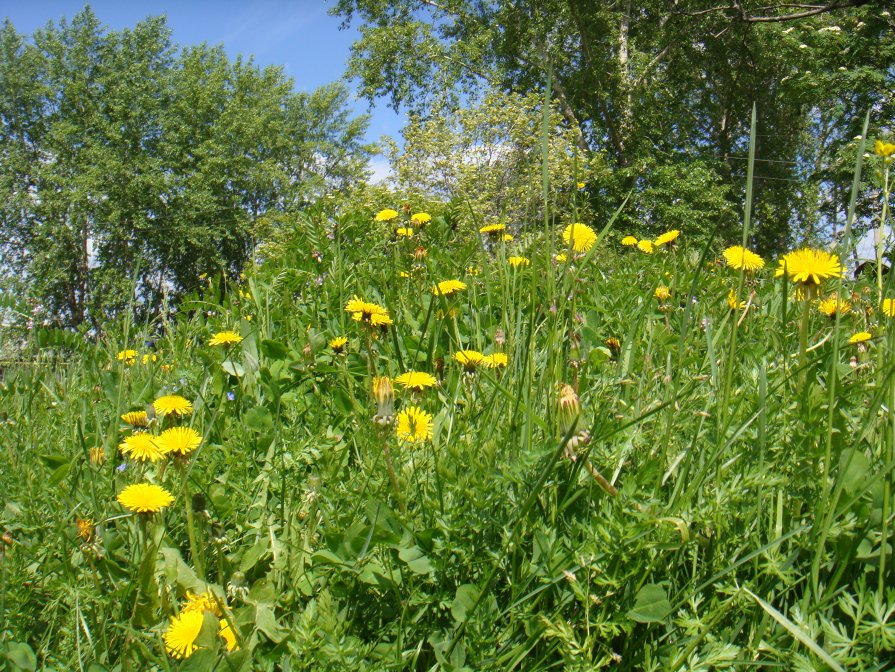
[751, 527]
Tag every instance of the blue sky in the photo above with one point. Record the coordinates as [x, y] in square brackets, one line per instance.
[298, 35]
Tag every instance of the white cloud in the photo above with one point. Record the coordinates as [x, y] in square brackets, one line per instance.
[381, 170]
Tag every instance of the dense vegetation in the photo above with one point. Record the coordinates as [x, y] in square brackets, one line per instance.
[474, 421]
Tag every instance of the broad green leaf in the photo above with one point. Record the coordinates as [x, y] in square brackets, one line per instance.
[651, 605]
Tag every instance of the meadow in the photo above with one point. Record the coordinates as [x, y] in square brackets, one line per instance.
[410, 439]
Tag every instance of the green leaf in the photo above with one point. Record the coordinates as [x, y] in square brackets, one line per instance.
[266, 622]
[233, 368]
[259, 419]
[463, 601]
[651, 605]
[20, 656]
[416, 560]
[253, 555]
[274, 349]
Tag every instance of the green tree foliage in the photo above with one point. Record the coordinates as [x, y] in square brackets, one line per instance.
[662, 88]
[125, 159]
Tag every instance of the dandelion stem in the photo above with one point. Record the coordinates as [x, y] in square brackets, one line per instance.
[392, 476]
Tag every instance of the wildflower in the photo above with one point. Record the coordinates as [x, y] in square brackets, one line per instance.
[809, 267]
[225, 338]
[404, 231]
[888, 307]
[473, 270]
[382, 321]
[580, 185]
[145, 498]
[421, 218]
[386, 215]
[85, 528]
[448, 287]
[414, 425]
[493, 230]
[629, 241]
[496, 360]
[363, 311]
[337, 345]
[662, 293]
[732, 302]
[149, 359]
[97, 456]
[405, 274]
[833, 305]
[645, 246]
[667, 238]
[136, 418]
[226, 633]
[741, 259]
[561, 258]
[420, 253]
[569, 409]
[884, 149]
[142, 447]
[507, 238]
[201, 602]
[181, 635]
[580, 236]
[614, 345]
[179, 440]
[173, 404]
[468, 359]
[416, 380]
[860, 337]
[516, 262]
[127, 356]
[384, 395]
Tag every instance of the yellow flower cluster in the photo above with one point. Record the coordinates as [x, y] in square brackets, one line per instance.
[184, 629]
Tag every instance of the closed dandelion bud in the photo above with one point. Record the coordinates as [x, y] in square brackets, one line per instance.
[569, 409]
[97, 456]
[384, 394]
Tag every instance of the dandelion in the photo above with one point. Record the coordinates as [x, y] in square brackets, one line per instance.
[614, 345]
[493, 230]
[561, 258]
[468, 359]
[580, 236]
[414, 425]
[149, 359]
[226, 633]
[888, 307]
[225, 338]
[201, 602]
[384, 395]
[860, 337]
[667, 238]
[507, 238]
[416, 380]
[645, 246]
[809, 267]
[382, 321]
[448, 287]
[127, 356]
[386, 215]
[145, 498]
[97, 456]
[337, 345]
[629, 241]
[884, 149]
[742, 259]
[173, 404]
[363, 311]
[421, 219]
[516, 262]
[833, 305]
[420, 253]
[662, 293]
[182, 632]
[85, 528]
[179, 440]
[497, 360]
[136, 419]
[569, 409]
[732, 302]
[142, 447]
[404, 232]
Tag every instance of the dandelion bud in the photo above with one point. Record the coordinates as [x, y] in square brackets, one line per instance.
[384, 395]
[97, 456]
[499, 337]
[569, 409]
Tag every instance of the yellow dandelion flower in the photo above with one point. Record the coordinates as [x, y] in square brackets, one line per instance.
[363, 311]
[180, 637]
[580, 236]
[386, 215]
[173, 404]
[405, 274]
[144, 498]
[225, 338]
[645, 246]
[468, 359]
[85, 528]
[496, 360]
[179, 440]
[667, 238]
[136, 419]
[414, 425]
[580, 185]
[227, 634]
[381, 321]
[614, 345]
[495, 230]
[884, 149]
[833, 305]
[516, 262]
[384, 395]
[420, 253]
[662, 293]
[421, 218]
[860, 337]
[337, 345]
[809, 267]
[201, 602]
[561, 258]
[888, 307]
[149, 359]
[569, 408]
[740, 258]
[416, 380]
[448, 287]
[732, 302]
[629, 241]
[142, 447]
[507, 238]
[404, 231]
[127, 356]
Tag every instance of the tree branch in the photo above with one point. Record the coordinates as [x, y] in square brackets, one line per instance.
[736, 11]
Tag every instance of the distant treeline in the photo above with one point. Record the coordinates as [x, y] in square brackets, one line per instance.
[124, 157]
